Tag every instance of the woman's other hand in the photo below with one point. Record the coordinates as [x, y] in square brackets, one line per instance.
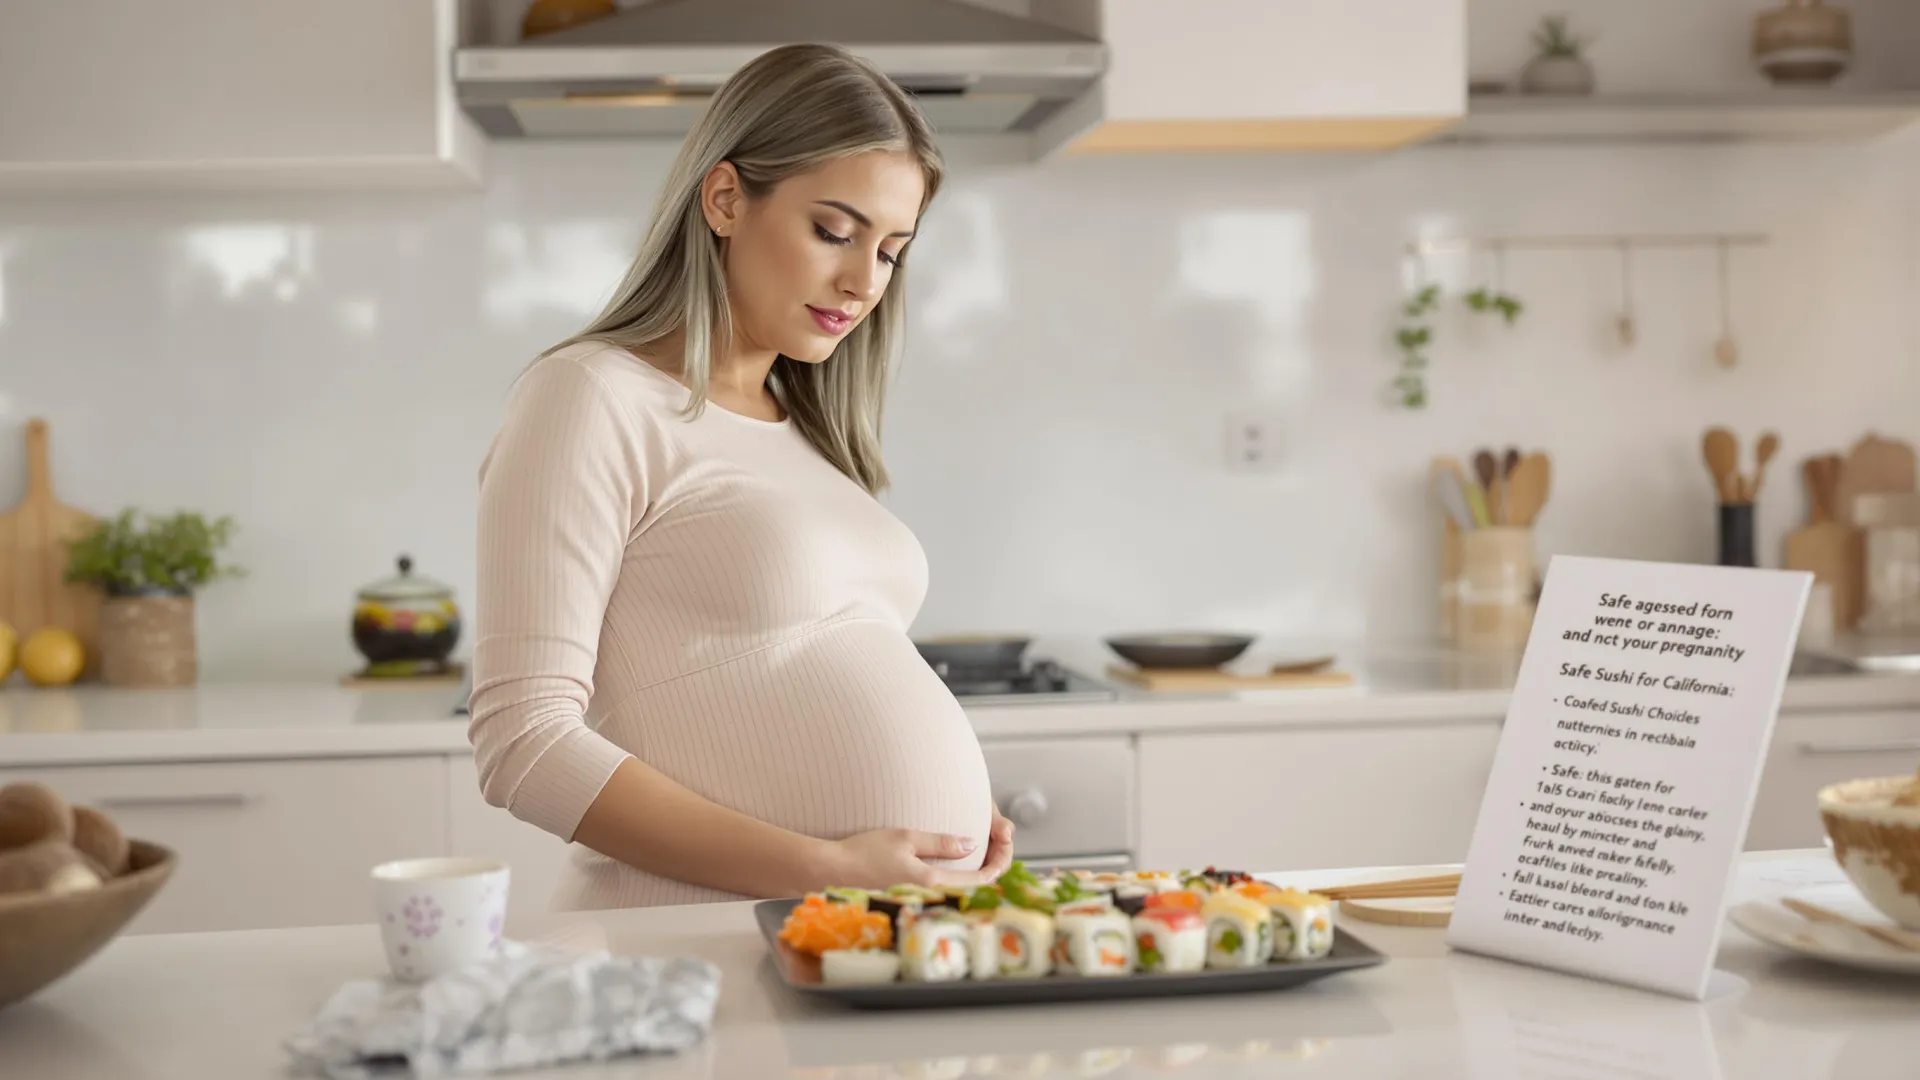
[882, 857]
[999, 846]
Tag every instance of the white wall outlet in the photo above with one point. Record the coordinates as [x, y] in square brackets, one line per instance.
[1252, 442]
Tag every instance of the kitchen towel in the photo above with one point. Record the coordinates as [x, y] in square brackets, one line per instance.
[526, 1008]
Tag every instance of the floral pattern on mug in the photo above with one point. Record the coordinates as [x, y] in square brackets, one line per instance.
[423, 916]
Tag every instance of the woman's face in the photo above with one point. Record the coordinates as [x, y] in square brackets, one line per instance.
[806, 262]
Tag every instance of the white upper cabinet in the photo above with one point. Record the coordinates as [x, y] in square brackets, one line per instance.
[231, 94]
[1245, 74]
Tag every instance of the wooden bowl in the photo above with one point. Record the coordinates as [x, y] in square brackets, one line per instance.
[43, 937]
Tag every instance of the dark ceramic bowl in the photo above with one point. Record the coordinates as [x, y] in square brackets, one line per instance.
[1163, 651]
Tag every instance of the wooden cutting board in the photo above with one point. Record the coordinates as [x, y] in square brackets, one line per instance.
[1217, 681]
[33, 557]
[1831, 549]
[1835, 553]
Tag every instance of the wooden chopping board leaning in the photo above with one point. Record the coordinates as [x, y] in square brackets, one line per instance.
[34, 593]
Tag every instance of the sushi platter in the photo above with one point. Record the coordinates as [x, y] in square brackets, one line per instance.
[1060, 937]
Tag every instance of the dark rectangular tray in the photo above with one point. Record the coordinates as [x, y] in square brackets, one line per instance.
[801, 973]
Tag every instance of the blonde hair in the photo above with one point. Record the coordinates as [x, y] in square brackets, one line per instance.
[791, 109]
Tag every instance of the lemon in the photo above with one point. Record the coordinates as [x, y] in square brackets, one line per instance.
[9, 650]
[52, 657]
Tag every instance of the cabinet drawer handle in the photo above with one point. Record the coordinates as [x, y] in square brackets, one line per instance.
[136, 802]
[1860, 747]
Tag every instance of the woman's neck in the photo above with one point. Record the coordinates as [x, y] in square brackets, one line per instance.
[736, 381]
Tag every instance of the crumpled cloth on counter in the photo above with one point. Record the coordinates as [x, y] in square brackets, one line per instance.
[526, 1008]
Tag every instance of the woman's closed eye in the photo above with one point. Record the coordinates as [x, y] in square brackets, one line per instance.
[840, 241]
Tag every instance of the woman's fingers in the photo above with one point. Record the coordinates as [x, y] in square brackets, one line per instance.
[940, 845]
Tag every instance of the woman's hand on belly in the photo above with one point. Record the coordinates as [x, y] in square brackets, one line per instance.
[882, 857]
[999, 846]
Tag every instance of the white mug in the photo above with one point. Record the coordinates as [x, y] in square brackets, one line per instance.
[439, 915]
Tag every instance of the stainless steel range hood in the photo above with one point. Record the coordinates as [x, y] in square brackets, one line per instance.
[649, 70]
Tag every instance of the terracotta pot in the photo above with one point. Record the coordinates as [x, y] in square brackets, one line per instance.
[1804, 43]
[148, 640]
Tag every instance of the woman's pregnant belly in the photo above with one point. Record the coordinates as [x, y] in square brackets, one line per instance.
[837, 732]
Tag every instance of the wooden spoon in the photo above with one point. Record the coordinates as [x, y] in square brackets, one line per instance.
[1769, 444]
[1722, 452]
[1527, 488]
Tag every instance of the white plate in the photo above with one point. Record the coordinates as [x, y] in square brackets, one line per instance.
[1775, 925]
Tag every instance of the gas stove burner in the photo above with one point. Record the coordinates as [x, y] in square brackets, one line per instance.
[1044, 680]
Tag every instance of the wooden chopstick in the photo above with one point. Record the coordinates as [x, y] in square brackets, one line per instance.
[1900, 939]
[1438, 885]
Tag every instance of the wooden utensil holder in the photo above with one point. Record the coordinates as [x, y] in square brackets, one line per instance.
[1493, 590]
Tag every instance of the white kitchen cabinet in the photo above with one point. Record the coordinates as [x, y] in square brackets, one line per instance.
[483, 831]
[266, 843]
[1306, 797]
[1810, 751]
[216, 94]
[1240, 74]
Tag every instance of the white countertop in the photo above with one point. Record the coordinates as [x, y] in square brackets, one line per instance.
[214, 1006]
[228, 721]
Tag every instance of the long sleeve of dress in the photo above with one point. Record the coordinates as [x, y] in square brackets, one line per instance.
[561, 489]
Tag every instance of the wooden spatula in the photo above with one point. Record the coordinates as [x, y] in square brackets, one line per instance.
[1527, 488]
[33, 557]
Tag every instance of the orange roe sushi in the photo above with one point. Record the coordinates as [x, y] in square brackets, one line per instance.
[819, 925]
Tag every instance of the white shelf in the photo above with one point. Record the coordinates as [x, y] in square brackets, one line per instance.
[1779, 116]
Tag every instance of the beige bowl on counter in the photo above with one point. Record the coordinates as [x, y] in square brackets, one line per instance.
[1875, 828]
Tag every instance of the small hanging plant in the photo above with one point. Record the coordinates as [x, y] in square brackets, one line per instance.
[1415, 333]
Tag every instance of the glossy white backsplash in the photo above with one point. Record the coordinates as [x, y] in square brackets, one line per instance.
[329, 370]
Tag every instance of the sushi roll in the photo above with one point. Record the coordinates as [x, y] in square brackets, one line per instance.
[1302, 924]
[1185, 899]
[924, 896]
[1025, 940]
[983, 945]
[859, 967]
[1239, 931]
[1170, 939]
[1092, 939]
[1130, 898]
[935, 948]
[854, 898]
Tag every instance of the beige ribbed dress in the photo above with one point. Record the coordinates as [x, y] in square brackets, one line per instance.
[712, 597]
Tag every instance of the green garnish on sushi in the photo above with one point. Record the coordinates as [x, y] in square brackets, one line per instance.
[1022, 889]
[1070, 890]
[984, 898]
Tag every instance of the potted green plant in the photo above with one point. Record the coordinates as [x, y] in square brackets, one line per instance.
[1559, 64]
[149, 566]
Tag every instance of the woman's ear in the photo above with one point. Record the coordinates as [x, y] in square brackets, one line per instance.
[722, 200]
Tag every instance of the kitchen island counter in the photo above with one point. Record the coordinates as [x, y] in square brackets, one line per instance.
[214, 1006]
[239, 721]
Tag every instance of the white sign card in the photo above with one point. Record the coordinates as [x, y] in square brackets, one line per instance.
[1627, 769]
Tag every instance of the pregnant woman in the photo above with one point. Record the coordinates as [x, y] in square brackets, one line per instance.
[692, 610]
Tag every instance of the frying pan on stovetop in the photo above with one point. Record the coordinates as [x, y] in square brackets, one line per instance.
[973, 652]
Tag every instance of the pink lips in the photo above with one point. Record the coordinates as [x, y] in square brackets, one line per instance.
[833, 322]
